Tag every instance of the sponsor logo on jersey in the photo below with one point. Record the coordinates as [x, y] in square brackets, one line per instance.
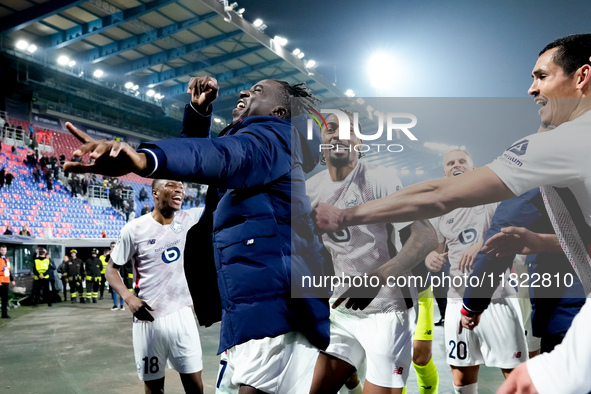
[519, 148]
[177, 227]
[517, 355]
[428, 332]
[152, 241]
[171, 255]
[340, 236]
[468, 236]
[450, 221]
[398, 371]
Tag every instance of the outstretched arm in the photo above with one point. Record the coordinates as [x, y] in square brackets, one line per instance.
[519, 240]
[421, 201]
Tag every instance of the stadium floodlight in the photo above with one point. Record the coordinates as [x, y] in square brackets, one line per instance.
[151, 85]
[32, 48]
[241, 11]
[158, 96]
[217, 120]
[137, 93]
[128, 85]
[296, 51]
[63, 60]
[257, 23]
[230, 7]
[22, 45]
[382, 69]
[98, 73]
[350, 93]
[280, 40]
[301, 55]
[71, 63]
[310, 64]
[150, 93]
[135, 87]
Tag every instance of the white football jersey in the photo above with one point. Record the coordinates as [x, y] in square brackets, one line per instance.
[460, 229]
[359, 250]
[156, 253]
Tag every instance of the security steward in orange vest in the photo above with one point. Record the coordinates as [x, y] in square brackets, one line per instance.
[93, 267]
[5, 279]
[41, 271]
[75, 275]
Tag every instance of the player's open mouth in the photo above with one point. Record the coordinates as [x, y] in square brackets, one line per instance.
[456, 173]
[541, 101]
[240, 105]
[177, 199]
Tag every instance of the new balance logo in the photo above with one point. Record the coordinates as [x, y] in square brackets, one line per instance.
[151, 241]
[397, 370]
[517, 355]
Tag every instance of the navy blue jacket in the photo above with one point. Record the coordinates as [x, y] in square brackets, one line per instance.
[556, 304]
[262, 229]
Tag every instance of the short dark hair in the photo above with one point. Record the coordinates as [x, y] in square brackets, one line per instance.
[573, 52]
[3, 246]
[299, 91]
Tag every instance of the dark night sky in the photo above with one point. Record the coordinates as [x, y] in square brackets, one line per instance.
[440, 48]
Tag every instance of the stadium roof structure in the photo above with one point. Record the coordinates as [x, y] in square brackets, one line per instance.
[148, 50]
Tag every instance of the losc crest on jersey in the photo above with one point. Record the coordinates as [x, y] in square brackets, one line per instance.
[171, 255]
[468, 236]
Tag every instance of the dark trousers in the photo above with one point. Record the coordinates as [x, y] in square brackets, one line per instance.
[102, 286]
[4, 298]
[64, 283]
[42, 284]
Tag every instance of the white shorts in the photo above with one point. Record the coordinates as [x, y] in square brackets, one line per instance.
[173, 338]
[384, 340]
[498, 341]
[281, 365]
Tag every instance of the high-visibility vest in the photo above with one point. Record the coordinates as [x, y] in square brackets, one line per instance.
[103, 260]
[41, 266]
[4, 270]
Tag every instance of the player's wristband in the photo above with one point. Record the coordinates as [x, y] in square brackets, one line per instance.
[467, 313]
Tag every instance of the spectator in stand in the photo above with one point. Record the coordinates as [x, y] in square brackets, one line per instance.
[84, 184]
[9, 178]
[2, 123]
[36, 174]
[126, 209]
[143, 194]
[2, 175]
[43, 161]
[145, 209]
[8, 230]
[56, 171]
[62, 160]
[74, 185]
[25, 231]
[13, 150]
[49, 184]
[103, 234]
